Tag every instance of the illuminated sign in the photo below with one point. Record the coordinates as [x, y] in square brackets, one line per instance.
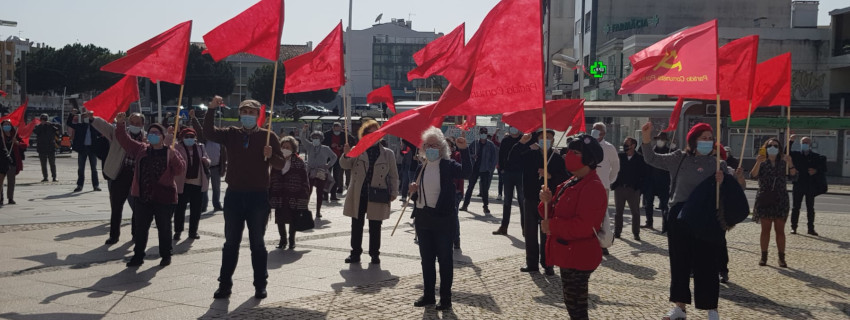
[598, 69]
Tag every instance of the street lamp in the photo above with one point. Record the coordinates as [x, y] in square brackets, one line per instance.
[567, 62]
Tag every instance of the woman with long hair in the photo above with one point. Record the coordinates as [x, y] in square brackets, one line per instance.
[772, 205]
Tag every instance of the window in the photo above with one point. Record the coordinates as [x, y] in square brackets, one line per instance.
[755, 139]
[587, 24]
[578, 27]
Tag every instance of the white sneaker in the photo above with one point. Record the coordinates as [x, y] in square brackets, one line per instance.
[675, 314]
[713, 315]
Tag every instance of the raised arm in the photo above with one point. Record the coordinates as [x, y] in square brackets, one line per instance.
[106, 129]
[209, 128]
[130, 146]
[667, 161]
[199, 129]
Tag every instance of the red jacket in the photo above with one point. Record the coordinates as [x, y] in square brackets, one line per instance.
[572, 220]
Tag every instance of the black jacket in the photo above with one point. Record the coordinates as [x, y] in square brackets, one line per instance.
[815, 184]
[443, 216]
[46, 134]
[658, 179]
[531, 161]
[507, 163]
[80, 129]
[632, 172]
[703, 220]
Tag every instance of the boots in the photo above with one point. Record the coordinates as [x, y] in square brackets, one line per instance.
[763, 261]
[782, 260]
[291, 237]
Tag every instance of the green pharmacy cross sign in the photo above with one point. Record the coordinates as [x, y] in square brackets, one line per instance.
[598, 69]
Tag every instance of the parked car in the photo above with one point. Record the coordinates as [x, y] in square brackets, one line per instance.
[314, 110]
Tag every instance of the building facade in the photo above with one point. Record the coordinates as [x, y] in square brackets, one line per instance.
[382, 55]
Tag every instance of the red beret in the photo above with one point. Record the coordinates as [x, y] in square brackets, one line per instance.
[186, 131]
[698, 129]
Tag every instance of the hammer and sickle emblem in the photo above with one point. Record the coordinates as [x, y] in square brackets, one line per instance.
[665, 62]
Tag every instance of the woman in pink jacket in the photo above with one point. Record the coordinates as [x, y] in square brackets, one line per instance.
[156, 168]
[192, 185]
[574, 216]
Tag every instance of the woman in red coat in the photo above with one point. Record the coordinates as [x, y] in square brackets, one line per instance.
[574, 215]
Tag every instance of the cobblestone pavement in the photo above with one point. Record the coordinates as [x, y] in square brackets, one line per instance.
[63, 271]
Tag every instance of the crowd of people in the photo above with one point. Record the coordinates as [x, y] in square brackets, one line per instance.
[161, 171]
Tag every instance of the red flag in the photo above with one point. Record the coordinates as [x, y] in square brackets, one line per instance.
[468, 123]
[736, 68]
[261, 120]
[161, 58]
[772, 87]
[407, 125]
[319, 69]
[501, 68]
[560, 116]
[383, 94]
[115, 99]
[2, 93]
[674, 117]
[26, 131]
[436, 56]
[17, 116]
[256, 30]
[682, 64]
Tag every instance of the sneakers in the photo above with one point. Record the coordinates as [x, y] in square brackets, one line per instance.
[678, 314]
[713, 315]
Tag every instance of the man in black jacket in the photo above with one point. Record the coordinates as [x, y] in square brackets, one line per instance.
[46, 133]
[811, 182]
[511, 172]
[627, 187]
[530, 157]
[335, 139]
[84, 143]
[657, 184]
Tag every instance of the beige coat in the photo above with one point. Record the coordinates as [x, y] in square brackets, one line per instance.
[385, 171]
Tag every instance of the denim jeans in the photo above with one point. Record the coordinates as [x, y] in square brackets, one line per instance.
[82, 156]
[241, 208]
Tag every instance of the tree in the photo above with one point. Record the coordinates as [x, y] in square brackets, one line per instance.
[205, 78]
[75, 67]
[260, 83]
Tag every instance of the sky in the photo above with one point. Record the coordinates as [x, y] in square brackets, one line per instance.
[120, 24]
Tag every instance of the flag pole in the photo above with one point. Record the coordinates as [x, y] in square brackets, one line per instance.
[717, 145]
[271, 105]
[545, 70]
[345, 110]
[406, 199]
[177, 116]
[788, 138]
[746, 129]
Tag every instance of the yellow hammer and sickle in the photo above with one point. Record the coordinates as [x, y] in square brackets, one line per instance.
[665, 62]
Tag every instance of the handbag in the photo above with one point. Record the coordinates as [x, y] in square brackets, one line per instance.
[303, 220]
[605, 235]
[379, 195]
[770, 197]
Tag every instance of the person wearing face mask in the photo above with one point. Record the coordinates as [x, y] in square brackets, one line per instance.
[289, 191]
[11, 158]
[435, 208]
[657, 184]
[192, 185]
[627, 187]
[610, 165]
[771, 207]
[810, 183]
[118, 169]
[689, 253]
[510, 173]
[320, 159]
[335, 139]
[531, 159]
[373, 187]
[575, 213]
[84, 144]
[251, 150]
[156, 166]
[46, 133]
[484, 156]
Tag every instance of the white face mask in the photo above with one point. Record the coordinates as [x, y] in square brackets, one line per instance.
[316, 142]
[660, 143]
[286, 153]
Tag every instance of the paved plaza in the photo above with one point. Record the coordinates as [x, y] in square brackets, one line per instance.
[54, 265]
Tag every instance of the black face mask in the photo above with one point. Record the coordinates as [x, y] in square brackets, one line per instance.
[626, 147]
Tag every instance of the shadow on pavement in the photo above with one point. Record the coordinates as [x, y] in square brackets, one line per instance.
[97, 230]
[844, 307]
[483, 301]
[644, 247]
[279, 257]
[431, 313]
[66, 195]
[516, 242]
[127, 281]
[100, 254]
[553, 293]
[639, 272]
[51, 316]
[814, 281]
[462, 261]
[750, 300]
[365, 281]
[841, 244]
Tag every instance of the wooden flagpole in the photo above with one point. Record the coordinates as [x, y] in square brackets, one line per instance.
[177, 115]
[545, 164]
[746, 129]
[271, 105]
[788, 138]
[347, 114]
[717, 145]
[406, 200]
